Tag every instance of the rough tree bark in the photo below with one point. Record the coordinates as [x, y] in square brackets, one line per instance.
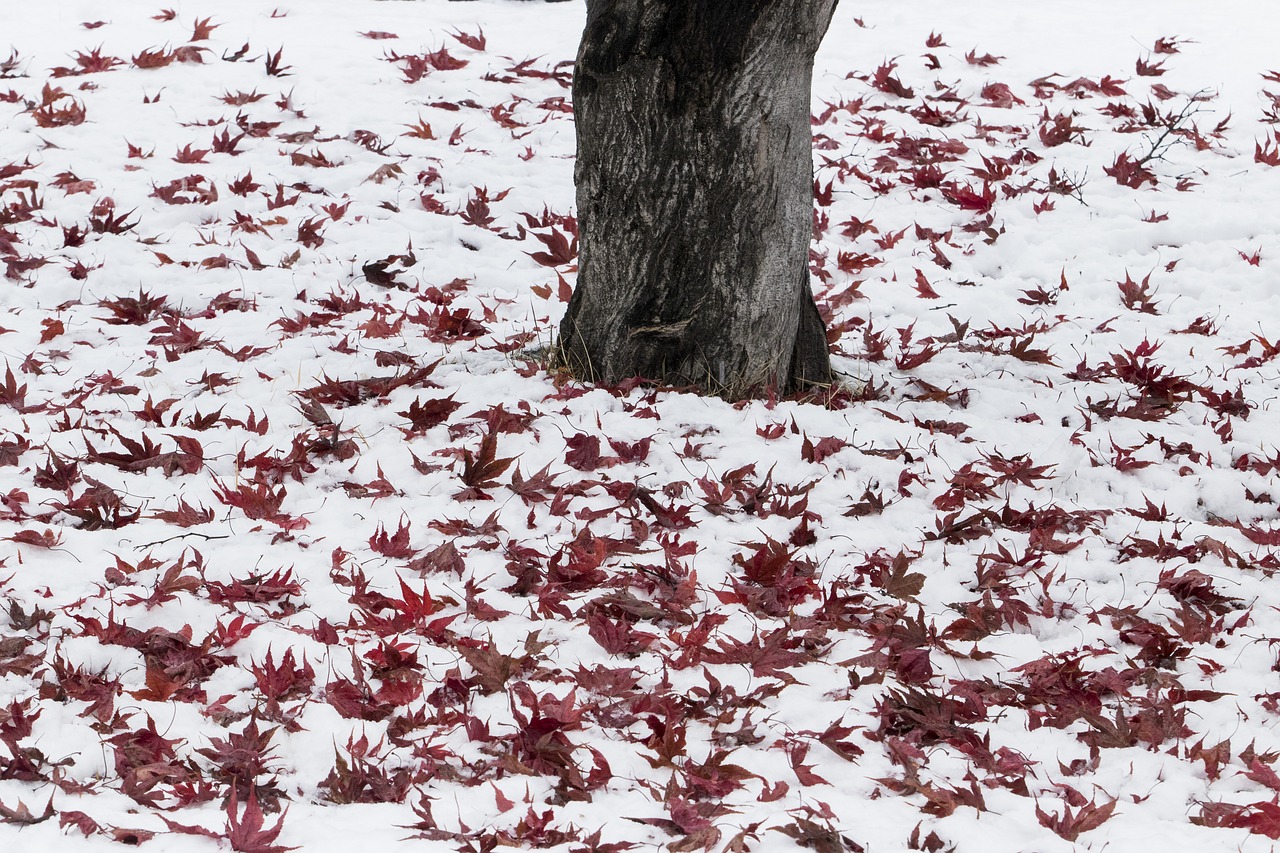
[695, 193]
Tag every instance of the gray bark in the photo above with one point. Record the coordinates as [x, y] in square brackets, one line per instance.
[695, 191]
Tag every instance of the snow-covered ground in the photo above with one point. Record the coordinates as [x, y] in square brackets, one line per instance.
[302, 545]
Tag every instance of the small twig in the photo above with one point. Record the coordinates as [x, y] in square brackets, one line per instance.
[205, 536]
[1172, 125]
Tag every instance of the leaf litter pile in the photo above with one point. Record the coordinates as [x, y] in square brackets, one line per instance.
[303, 544]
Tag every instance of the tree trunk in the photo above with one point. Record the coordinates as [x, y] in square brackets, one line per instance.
[695, 194]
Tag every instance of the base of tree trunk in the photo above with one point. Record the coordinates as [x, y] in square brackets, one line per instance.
[695, 196]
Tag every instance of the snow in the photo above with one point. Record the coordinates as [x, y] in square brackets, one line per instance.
[1009, 588]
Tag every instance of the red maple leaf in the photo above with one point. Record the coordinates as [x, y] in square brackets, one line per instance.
[203, 29]
[1071, 824]
[584, 453]
[1149, 69]
[923, 287]
[274, 65]
[48, 539]
[826, 446]
[1058, 129]
[23, 816]
[1129, 172]
[396, 545]
[158, 58]
[985, 60]
[999, 95]
[481, 469]
[884, 80]
[560, 250]
[967, 198]
[187, 154]
[475, 42]
[1268, 154]
[247, 831]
